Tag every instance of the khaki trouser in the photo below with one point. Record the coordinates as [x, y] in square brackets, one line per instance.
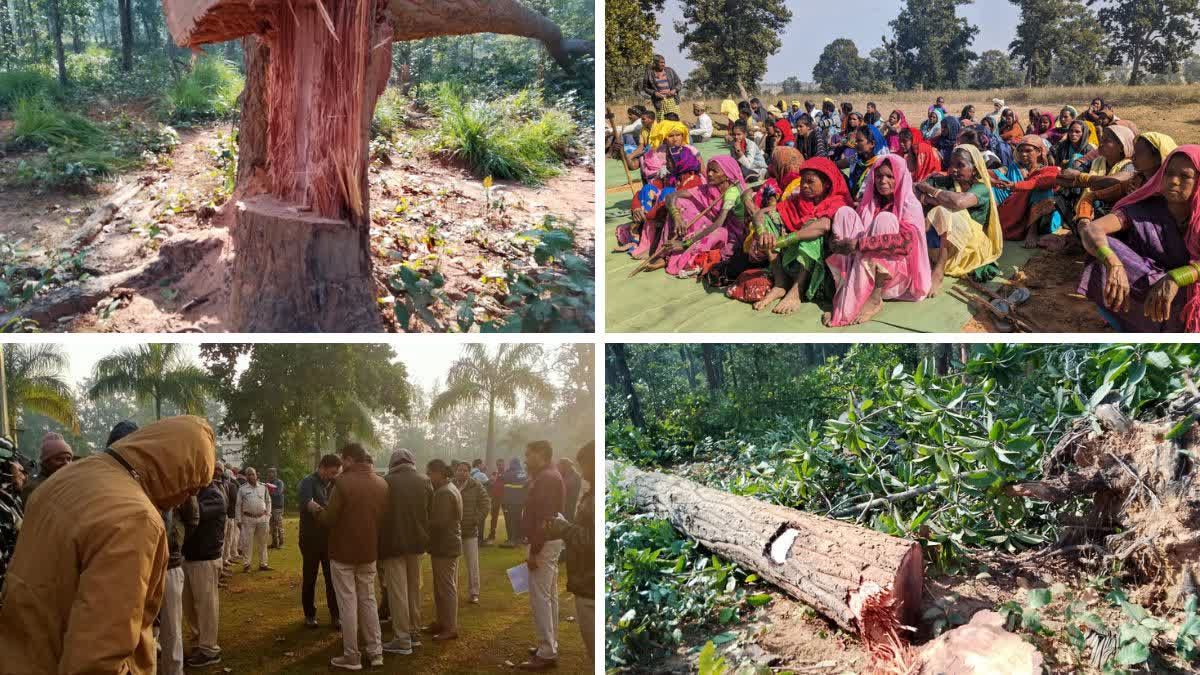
[445, 592]
[230, 550]
[402, 576]
[471, 553]
[201, 604]
[277, 528]
[543, 598]
[170, 635]
[254, 532]
[355, 589]
[585, 614]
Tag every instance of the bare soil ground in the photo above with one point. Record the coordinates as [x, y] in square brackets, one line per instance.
[444, 222]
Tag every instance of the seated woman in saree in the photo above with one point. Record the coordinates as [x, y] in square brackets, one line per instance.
[868, 147]
[931, 128]
[1010, 130]
[1092, 114]
[967, 118]
[682, 170]
[1062, 125]
[1045, 126]
[1113, 158]
[896, 122]
[920, 157]
[1025, 194]
[963, 225]
[747, 153]
[878, 252]
[996, 145]
[1069, 153]
[948, 139]
[1148, 250]
[797, 248]
[783, 173]
[711, 235]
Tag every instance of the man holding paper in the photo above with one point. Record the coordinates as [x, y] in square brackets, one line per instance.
[543, 502]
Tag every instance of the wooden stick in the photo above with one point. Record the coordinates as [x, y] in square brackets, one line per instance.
[646, 265]
[1017, 322]
[1012, 308]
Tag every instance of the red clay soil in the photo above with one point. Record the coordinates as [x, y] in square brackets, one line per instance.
[1053, 303]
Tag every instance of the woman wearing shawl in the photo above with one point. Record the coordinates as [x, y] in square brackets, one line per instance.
[782, 173]
[1011, 130]
[1150, 150]
[786, 137]
[806, 216]
[920, 157]
[869, 146]
[967, 119]
[998, 146]
[1115, 154]
[963, 223]
[1045, 126]
[896, 122]
[1035, 120]
[948, 139]
[1148, 250]
[932, 125]
[1025, 193]
[878, 252]
[681, 171]
[1074, 146]
[709, 237]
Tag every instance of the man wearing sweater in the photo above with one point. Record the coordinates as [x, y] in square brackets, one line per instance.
[580, 538]
[403, 539]
[445, 545]
[544, 502]
[475, 504]
[202, 548]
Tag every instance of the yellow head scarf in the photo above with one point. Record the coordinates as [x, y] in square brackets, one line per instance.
[1163, 143]
[665, 128]
[729, 109]
[988, 248]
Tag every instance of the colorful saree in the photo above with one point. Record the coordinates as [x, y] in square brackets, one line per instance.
[976, 244]
[698, 214]
[1032, 197]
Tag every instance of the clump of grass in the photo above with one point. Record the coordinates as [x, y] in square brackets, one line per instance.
[39, 124]
[16, 85]
[208, 92]
[513, 138]
[391, 115]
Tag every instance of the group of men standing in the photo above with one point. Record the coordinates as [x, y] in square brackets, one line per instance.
[138, 578]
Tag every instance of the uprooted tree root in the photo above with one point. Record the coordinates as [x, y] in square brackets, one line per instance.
[1145, 497]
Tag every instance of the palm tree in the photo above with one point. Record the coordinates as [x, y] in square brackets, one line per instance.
[160, 373]
[34, 383]
[478, 376]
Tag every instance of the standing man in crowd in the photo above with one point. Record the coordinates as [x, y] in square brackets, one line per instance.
[571, 485]
[254, 508]
[403, 539]
[445, 545]
[170, 617]
[579, 536]
[496, 492]
[99, 615]
[353, 516]
[475, 503]
[314, 540]
[55, 454]
[661, 85]
[514, 502]
[545, 502]
[232, 533]
[203, 546]
[276, 507]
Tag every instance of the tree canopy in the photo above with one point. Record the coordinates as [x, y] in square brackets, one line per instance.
[1153, 37]
[707, 35]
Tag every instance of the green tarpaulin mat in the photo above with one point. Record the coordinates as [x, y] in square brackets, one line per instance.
[657, 302]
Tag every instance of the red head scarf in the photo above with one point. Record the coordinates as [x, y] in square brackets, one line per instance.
[796, 211]
[1191, 310]
[786, 127]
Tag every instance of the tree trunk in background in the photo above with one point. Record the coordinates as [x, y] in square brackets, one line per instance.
[687, 365]
[8, 43]
[56, 29]
[807, 355]
[942, 358]
[620, 365]
[964, 353]
[712, 366]
[76, 37]
[125, 10]
[833, 566]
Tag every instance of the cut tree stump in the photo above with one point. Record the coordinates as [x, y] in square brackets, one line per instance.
[296, 269]
[848, 573]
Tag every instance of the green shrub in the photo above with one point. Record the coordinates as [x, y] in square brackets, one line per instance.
[209, 92]
[16, 85]
[90, 69]
[38, 123]
[391, 115]
[501, 138]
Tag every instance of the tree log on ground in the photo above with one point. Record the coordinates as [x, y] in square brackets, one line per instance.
[315, 69]
[867, 582]
[1143, 486]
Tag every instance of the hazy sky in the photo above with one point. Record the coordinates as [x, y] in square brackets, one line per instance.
[816, 24]
[426, 361]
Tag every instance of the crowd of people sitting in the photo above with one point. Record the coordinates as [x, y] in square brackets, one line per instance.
[102, 559]
[859, 207]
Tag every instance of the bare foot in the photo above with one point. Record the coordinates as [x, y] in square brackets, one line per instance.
[656, 265]
[640, 256]
[772, 295]
[935, 278]
[790, 302]
[1031, 240]
[625, 247]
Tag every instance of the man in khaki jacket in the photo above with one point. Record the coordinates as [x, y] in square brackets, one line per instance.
[445, 546]
[86, 580]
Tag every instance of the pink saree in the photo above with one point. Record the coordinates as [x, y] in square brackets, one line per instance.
[724, 238]
[893, 239]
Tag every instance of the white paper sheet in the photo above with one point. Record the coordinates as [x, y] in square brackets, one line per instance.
[519, 578]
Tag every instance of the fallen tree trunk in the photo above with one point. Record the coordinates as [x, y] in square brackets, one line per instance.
[865, 581]
[103, 215]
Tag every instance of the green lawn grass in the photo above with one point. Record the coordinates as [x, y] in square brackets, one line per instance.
[262, 624]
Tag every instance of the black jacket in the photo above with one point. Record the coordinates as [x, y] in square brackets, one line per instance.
[230, 485]
[206, 540]
[650, 90]
[405, 527]
[314, 538]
